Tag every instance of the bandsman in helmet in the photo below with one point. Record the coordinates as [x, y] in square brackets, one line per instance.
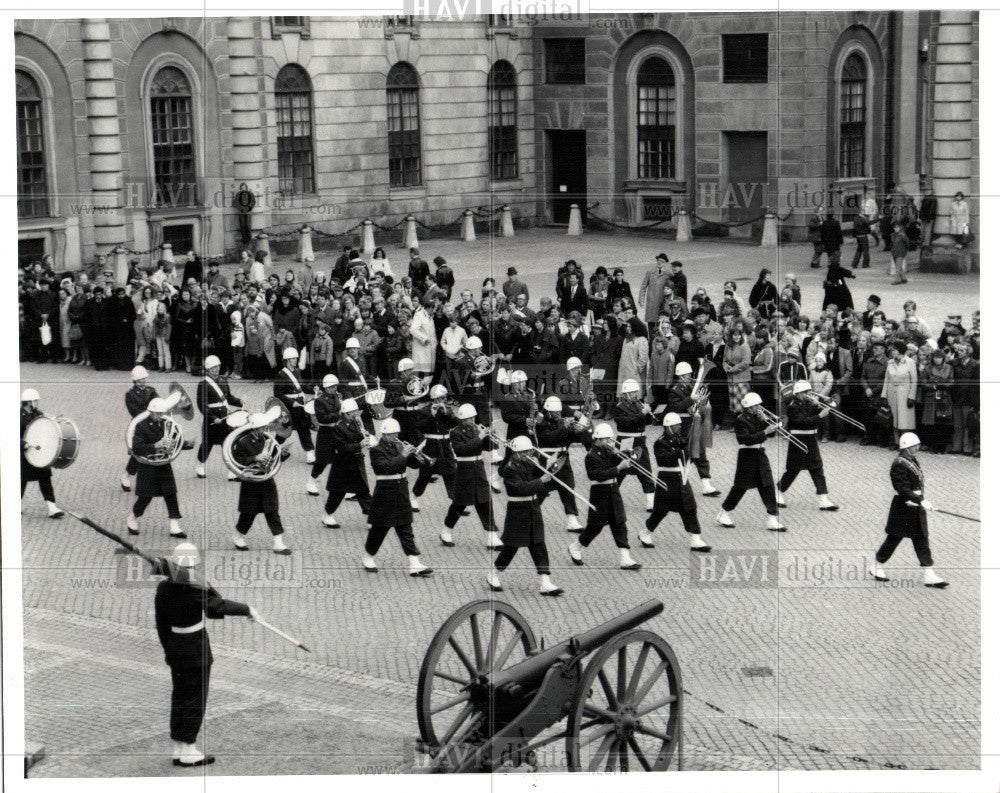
[517, 408]
[471, 386]
[390, 508]
[523, 526]
[433, 423]
[753, 469]
[30, 473]
[214, 398]
[472, 485]
[400, 399]
[908, 514]
[347, 471]
[606, 469]
[288, 388]
[631, 416]
[327, 415]
[153, 435]
[577, 393]
[257, 498]
[695, 413]
[670, 452]
[805, 418]
[352, 373]
[137, 399]
[555, 435]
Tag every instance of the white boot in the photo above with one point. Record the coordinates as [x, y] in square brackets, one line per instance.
[330, 521]
[699, 545]
[414, 503]
[649, 501]
[825, 504]
[369, 564]
[127, 486]
[625, 560]
[493, 540]
[576, 553]
[646, 539]
[779, 498]
[312, 486]
[54, 511]
[446, 539]
[493, 579]
[573, 524]
[876, 572]
[279, 546]
[310, 457]
[178, 749]
[175, 529]
[240, 542]
[725, 519]
[417, 568]
[132, 524]
[708, 489]
[773, 524]
[546, 587]
[933, 580]
[190, 756]
[200, 471]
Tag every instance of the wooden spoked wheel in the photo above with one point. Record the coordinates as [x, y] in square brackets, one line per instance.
[481, 638]
[627, 713]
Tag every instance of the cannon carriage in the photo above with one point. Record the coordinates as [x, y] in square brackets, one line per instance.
[488, 696]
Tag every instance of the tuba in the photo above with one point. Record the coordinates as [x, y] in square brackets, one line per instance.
[172, 432]
[483, 365]
[260, 468]
[417, 388]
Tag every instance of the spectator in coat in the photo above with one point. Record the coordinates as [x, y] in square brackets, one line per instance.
[678, 280]
[651, 290]
[634, 360]
[832, 237]
[573, 296]
[813, 226]
[900, 389]
[619, 288]
[928, 214]
[764, 295]
[959, 212]
[514, 286]
[835, 290]
[900, 247]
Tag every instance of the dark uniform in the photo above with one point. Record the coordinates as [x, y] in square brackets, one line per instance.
[255, 497]
[679, 401]
[471, 387]
[515, 410]
[137, 399]
[576, 395]
[670, 453]
[390, 508]
[804, 422]
[181, 606]
[30, 473]
[523, 526]
[472, 485]
[555, 437]
[214, 397]
[152, 480]
[288, 388]
[403, 408]
[347, 471]
[631, 421]
[434, 424]
[353, 385]
[327, 415]
[753, 470]
[609, 509]
[906, 517]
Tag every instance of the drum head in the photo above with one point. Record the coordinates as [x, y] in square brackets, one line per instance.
[44, 440]
[237, 419]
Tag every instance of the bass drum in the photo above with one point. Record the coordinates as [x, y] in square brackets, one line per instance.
[51, 442]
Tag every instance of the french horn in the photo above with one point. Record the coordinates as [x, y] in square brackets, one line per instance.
[483, 365]
[417, 388]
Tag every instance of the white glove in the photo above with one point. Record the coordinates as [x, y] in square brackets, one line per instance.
[927, 505]
[254, 614]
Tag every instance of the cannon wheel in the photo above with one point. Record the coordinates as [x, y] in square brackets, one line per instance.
[482, 637]
[627, 712]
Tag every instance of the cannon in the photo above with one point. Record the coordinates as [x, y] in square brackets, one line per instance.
[487, 696]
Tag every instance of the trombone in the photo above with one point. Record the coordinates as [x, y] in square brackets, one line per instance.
[827, 402]
[616, 447]
[775, 420]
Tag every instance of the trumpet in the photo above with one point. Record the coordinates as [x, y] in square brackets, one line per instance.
[616, 447]
[775, 421]
[366, 438]
[827, 402]
[417, 451]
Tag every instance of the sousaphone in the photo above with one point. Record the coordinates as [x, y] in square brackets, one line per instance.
[262, 466]
[178, 402]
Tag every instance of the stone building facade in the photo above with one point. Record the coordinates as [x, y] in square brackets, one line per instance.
[136, 132]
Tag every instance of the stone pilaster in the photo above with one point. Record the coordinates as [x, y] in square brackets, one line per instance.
[249, 122]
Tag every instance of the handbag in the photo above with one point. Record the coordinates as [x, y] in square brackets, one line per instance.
[967, 236]
[75, 333]
[943, 411]
[45, 332]
[883, 414]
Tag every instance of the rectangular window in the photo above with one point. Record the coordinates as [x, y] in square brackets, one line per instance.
[290, 22]
[744, 58]
[565, 61]
[501, 20]
[30, 250]
[173, 151]
[404, 138]
[295, 151]
[656, 131]
[503, 132]
[32, 188]
[399, 21]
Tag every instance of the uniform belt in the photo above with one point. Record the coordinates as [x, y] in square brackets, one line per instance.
[604, 482]
[631, 434]
[217, 404]
[753, 446]
[803, 432]
[188, 629]
[676, 469]
[520, 498]
[356, 384]
[550, 451]
[684, 415]
[436, 437]
[475, 459]
[389, 477]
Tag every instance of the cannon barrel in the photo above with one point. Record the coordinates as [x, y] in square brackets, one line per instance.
[532, 670]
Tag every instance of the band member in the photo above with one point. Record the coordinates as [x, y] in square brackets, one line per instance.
[606, 469]
[434, 423]
[670, 451]
[214, 398]
[288, 388]
[696, 423]
[804, 419]
[182, 603]
[523, 526]
[555, 435]
[347, 471]
[576, 392]
[390, 509]
[29, 472]
[353, 378]
[471, 385]
[137, 398]
[257, 498]
[327, 415]
[517, 409]
[631, 416]
[152, 436]
[753, 469]
[402, 401]
[472, 485]
[907, 514]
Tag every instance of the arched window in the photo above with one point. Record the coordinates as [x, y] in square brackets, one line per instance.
[656, 120]
[853, 114]
[173, 138]
[503, 121]
[32, 184]
[293, 99]
[402, 93]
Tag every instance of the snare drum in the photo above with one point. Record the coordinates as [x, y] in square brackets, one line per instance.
[51, 442]
[375, 399]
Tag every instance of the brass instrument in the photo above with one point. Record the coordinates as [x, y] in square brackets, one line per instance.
[417, 388]
[699, 393]
[483, 365]
[282, 418]
[264, 466]
[616, 447]
[173, 437]
[775, 421]
[179, 402]
[828, 402]
[417, 451]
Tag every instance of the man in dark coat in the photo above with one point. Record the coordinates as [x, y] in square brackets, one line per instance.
[243, 202]
[523, 526]
[753, 469]
[632, 416]
[606, 470]
[121, 318]
[813, 226]
[182, 603]
[155, 435]
[43, 308]
[29, 472]
[327, 413]
[434, 423]
[391, 509]
[832, 238]
[927, 214]
[97, 330]
[214, 398]
[804, 420]
[555, 434]
[288, 388]
[255, 448]
[860, 230]
[418, 270]
[137, 399]
[679, 281]
[472, 485]
[907, 514]
[347, 471]
[835, 290]
[444, 277]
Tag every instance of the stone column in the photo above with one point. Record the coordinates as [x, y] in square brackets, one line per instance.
[249, 122]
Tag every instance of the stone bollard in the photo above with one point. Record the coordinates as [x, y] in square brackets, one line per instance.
[468, 226]
[575, 228]
[506, 222]
[683, 226]
[121, 265]
[410, 236]
[367, 238]
[306, 245]
[265, 246]
[769, 239]
[167, 252]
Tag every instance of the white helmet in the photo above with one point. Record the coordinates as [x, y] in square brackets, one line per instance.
[800, 386]
[289, 354]
[473, 343]
[466, 411]
[352, 344]
[751, 400]
[553, 403]
[29, 395]
[574, 363]
[390, 427]
[258, 420]
[438, 391]
[908, 439]
[157, 405]
[330, 380]
[520, 444]
[404, 365]
[186, 555]
[603, 431]
[212, 360]
[348, 405]
[518, 376]
[682, 368]
[630, 387]
[139, 373]
[671, 420]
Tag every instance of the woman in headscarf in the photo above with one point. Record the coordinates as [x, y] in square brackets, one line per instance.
[764, 295]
